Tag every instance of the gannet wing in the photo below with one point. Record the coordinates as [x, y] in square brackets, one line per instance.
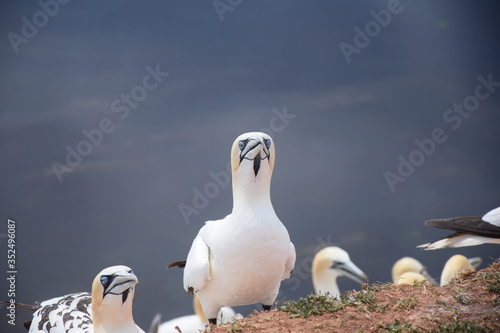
[473, 225]
[493, 217]
[62, 313]
[290, 262]
[197, 269]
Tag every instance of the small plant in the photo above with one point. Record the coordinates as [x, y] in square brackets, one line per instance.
[406, 304]
[463, 299]
[313, 305]
[461, 327]
[398, 327]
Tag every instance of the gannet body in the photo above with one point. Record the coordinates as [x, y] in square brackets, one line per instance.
[242, 258]
[196, 322]
[107, 310]
[470, 231]
[330, 263]
[455, 266]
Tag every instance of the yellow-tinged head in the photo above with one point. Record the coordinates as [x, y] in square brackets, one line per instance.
[112, 295]
[455, 266]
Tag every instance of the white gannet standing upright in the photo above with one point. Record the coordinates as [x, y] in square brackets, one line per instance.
[242, 258]
[196, 322]
[455, 266]
[470, 231]
[330, 263]
[107, 310]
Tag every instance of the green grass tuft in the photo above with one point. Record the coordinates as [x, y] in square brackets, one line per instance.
[398, 327]
[313, 305]
[461, 327]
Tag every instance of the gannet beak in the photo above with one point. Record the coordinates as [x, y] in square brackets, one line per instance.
[118, 283]
[429, 277]
[255, 149]
[348, 269]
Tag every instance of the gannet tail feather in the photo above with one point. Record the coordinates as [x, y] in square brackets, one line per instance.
[180, 264]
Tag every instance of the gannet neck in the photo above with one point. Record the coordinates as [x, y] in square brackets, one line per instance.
[252, 163]
[325, 282]
[112, 296]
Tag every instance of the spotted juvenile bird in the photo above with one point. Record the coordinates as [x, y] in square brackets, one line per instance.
[242, 258]
[108, 309]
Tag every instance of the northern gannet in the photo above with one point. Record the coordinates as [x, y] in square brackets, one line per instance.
[330, 263]
[410, 278]
[107, 310]
[403, 267]
[455, 266]
[195, 323]
[242, 258]
[470, 231]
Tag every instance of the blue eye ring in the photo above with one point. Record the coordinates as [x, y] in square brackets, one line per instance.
[104, 280]
[242, 144]
[268, 143]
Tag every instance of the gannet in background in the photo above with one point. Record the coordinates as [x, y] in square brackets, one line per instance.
[107, 310]
[455, 266]
[242, 258]
[410, 278]
[195, 323]
[470, 230]
[330, 263]
[410, 265]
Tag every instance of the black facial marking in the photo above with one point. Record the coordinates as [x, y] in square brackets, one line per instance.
[256, 164]
[125, 295]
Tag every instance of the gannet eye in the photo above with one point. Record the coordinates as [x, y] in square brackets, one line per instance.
[131, 272]
[242, 145]
[268, 143]
[104, 280]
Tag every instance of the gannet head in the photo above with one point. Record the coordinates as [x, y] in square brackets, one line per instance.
[406, 264]
[251, 153]
[455, 266]
[112, 295]
[252, 163]
[330, 263]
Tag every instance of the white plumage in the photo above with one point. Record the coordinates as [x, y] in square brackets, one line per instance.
[242, 258]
